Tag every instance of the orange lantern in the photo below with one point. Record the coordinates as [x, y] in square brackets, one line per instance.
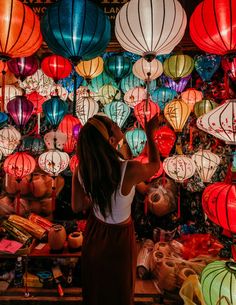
[191, 96]
[90, 69]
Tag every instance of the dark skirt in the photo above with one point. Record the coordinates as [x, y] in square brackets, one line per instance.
[108, 263]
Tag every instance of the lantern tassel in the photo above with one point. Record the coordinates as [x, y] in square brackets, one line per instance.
[53, 194]
[178, 212]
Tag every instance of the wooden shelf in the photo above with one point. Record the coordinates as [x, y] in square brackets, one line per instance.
[46, 253]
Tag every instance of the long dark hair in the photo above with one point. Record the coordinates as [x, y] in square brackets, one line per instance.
[99, 165]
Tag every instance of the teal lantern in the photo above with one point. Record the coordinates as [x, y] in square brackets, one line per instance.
[206, 65]
[118, 66]
[54, 110]
[78, 30]
[3, 118]
[99, 81]
[33, 144]
[136, 139]
[163, 95]
[218, 281]
[130, 81]
[118, 112]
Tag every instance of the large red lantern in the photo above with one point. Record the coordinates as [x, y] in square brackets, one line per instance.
[165, 138]
[213, 26]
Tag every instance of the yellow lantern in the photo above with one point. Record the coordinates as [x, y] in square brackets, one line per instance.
[178, 66]
[191, 96]
[177, 112]
[89, 69]
[204, 106]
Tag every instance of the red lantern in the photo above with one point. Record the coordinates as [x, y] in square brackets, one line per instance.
[229, 66]
[145, 110]
[56, 67]
[165, 139]
[37, 101]
[74, 162]
[143, 158]
[213, 26]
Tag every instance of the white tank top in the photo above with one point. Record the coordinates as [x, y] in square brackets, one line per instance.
[120, 204]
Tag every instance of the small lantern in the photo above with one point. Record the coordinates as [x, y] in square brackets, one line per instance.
[206, 164]
[204, 106]
[177, 86]
[206, 65]
[118, 112]
[86, 107]
[9, 139]
[191, 96]
[33, 144]
[55, 140]
[118, 66]
[178, 66]
[145, 110]
[147, 71]
[90, 69]
[162, 96]
[101, 80]
[82, 91]
[108, 93]
[165, 139]
[135, 95]
[229, 66]
[23, 66]
[136, 139]
[74, 162]
[129, 82]
[177, 112]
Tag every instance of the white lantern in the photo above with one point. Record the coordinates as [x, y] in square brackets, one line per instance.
[191, 96]
[150, 27]
[55, 140]
[146, 70]
[107, 94]
[9, 139]
[134, 96]
[82, 91]
[86, 107]
[58, 90]
[206, 164]
[220, 122]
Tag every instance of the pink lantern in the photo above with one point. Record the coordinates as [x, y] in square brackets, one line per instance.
[147, 70]
[191, 96]
[9, 139]
[165, 139]
[146, 110]
[74, 162]
[143, 158]
[55, 140]
[23, 66]
[135, 95]
[220, 122]
[86, 107]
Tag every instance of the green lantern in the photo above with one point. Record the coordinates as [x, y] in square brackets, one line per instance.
[204, 106]
[178, 66]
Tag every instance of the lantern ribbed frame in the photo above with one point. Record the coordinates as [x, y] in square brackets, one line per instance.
[55, 139]
[53, 162]
[145, 110]
[130, 82]
[118, 66]
[86, 107]
[118, 112]
[108, 93]
[134, 96]
[23, 66]
[136, 139]
[204, 106]
[67, 124]
[11, 92]
[178, 66]
[191, 96]
[177, 86]
[162, 96]
[147, 71]
[9, 139]
[90, 69]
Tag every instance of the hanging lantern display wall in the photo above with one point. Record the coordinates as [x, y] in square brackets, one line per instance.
[136, 21]
[206, 164]
[129, 82]
[162, 96]
[108, 93]
[165, 139]
[206, 65]
[177, 112]
[191, 96]
[229, 66]
[23, 66]
[9, 139]
[118, 66]
[136, 139]
[147, 71]
[204, 106]
[86, 107]
[90, 69]
[177, 86]
[118, 112]
[145, 110]
[178, 66]
[134, 96]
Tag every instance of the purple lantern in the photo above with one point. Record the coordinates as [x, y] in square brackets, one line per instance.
[76, 130]
[23, 66]
[20, 109]
[177, 86]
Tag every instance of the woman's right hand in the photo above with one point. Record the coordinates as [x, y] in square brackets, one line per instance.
[151, 125]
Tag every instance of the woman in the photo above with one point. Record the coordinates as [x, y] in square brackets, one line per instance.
[106, 183]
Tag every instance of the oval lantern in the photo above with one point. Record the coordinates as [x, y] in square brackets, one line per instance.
[90, 69]
[101, 80]
[204, 106]
[37, 101]
[9, 139]
[147, 71]
[213, 26]
[118, 112]
[108, 93]
[229, 66]
[162, 96]
[144, 27]
[135, 95]
[177, 112]
[165, 139]
[33, 144]
[23, 66]
[20, 30]
[86, 107]
[55, 140]
[136, 139]
[20, 109]
[74, 162]
[129, 82]
[218, 282]
[206, 65]
[145, 110]
[83, 36]
[118, 66]
[54, 110]
[177, 86]
[191, 96]
[178, 66]
[56, 67]
[206, 164]
[220, 122]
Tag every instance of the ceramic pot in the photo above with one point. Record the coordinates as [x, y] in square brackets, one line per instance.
[57, 238]
[75, 240]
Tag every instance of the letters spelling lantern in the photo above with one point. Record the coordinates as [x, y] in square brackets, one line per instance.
[82, 36]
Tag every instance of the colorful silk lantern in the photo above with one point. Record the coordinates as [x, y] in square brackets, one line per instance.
[220, 122]
[108, 93]
[206, 164]
[23, 66]
[99, 81]
[191, 96]
[20, 109]
[9, 139]
[134, 96]
[118, 66]
[162, 96]
[20, 30]
[71, 81]
[86, 107]
[140, 30]
[83, 36]
[37, 101]
[145, 110]
[74, 162]
[165, 139]
[118, 112]
[177, 112]
[10, 92]
[55, 140]
[147, 71]
[229, 66]
[19, 165]
[33, 144]
[3, 118]
[177, 86]
[89, 69]
[54, 110]
[129, 82]
[218, 282]
[204, 106]
[56, 67]
[136, 139]
[206, 65]
[213, 26]
[178, 66]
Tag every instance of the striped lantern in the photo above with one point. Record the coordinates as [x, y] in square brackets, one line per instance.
[135, 95]
[37, 101]
[178, 66]
[191, 96]
[23, 66]
[206, 65]
[130, 82]
[107, 94]
[86, 107]
[136, 139]
[33, 144]
[99, 81]
[147, 71]
[10, 92]
[177, 86]
[162, 96]
[143, 27]
[9, 139]
[90, 69]
[204, 106]
[118, 66]
[145, 110]
[118, 112]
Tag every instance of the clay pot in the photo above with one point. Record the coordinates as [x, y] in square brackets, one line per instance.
[57, 238]
[160, 202]
[75, 240]
[38, 187]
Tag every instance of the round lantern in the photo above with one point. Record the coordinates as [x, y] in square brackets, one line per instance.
[135, 95]
[23, 66]
[86, 107]
[206, 164]
[37, 101]
[177, 112]
[220, 122]
[9, 139]
[118, 66]
[178, 66]
[74, 162]
[55, 140]
[118, 112]
[165, 139]
[218, 282]
[33, 144]
[144, 27]
[204, 106]
[206, 65]
[146, 70]
[177, 86]
[129, 82]
[101, 80]
[83, 36]
[89, 69]
[20, 30]
[213, 26]
[162, 96]
[108, 93]
[145, 110]
[136, 139]
[191, 96]
[54, 110]
[229, 66]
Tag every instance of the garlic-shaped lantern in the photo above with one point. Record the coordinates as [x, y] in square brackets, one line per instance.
[136, 139]
[191, 96]
[135, 95]
[9, 139]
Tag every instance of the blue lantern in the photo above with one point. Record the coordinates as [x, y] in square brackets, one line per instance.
[132, 56]
[99, 81]
[130, 82]
[118, 112]
[163, 95]
[71, 80]
[33, 144]
[206, 65]
[54, 110]
[136, 139]
[78, 30]
[3, 118]
[118, 66]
